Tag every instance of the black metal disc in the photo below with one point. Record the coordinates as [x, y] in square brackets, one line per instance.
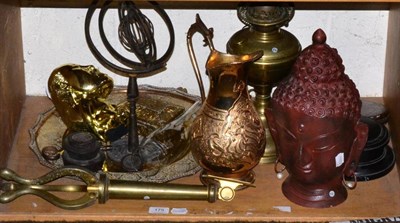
[374, 111]
[378, 138]
[377, 133]
[132, 163]
[377, 169]
[378, 158]
[93, 164]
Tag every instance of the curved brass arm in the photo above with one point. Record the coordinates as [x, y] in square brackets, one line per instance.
[208, 34]
[20, 186]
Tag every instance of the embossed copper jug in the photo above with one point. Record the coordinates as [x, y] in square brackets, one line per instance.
[227, 137]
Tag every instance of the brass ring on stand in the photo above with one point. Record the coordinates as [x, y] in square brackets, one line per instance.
[136, 69]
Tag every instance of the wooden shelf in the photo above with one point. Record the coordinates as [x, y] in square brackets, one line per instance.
[68, 3]
[373, 199]
[225, 4]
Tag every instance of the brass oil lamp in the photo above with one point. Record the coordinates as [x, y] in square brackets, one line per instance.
[281, 48]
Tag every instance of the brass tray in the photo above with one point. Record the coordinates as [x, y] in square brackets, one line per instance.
[49, 129]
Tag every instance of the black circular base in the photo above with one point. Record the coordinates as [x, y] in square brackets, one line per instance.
[377, 169]
[94, 164]
[378, 158]
[81, 145]
[378, 135]
[119, 158]
[147, 156]
[375, 111]
[132, 163]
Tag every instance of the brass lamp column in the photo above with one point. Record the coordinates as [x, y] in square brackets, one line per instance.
[263, 32]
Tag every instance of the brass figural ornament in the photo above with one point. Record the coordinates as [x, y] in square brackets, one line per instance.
[227, 137]
[79, 94]
[315, 121]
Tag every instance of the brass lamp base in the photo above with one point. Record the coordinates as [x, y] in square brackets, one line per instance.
[269, 155]
[270, 152]
[261, 101]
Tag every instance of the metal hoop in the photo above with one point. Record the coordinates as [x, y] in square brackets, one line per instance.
[135, 69]
[276, 167]
[350, 184]
[279, 173]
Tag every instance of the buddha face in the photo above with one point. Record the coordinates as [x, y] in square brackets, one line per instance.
[314, 121]
[316, 150]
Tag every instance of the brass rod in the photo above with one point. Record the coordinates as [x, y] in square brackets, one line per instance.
[127, 190]
[60, 188]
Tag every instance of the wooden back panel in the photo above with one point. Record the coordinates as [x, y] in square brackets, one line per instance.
[12, 83]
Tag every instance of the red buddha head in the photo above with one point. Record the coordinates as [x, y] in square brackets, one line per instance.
[314, 118]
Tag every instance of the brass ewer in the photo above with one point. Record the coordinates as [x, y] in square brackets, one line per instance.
[227, 138]
[263, 32]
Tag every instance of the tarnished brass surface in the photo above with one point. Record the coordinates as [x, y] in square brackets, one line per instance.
[163, 114]
[263, 32]
[102, 188]
[280, 48]
[227, 137]
[79, 95]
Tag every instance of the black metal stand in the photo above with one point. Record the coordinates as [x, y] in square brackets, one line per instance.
[136, 35]
[133, 161]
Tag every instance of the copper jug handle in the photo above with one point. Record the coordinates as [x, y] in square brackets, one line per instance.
[208, 34]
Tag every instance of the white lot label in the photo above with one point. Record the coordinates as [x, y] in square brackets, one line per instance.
[158, 210]
[179, 211]
[339, 159]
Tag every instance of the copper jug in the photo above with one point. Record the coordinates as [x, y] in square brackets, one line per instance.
[227, 138]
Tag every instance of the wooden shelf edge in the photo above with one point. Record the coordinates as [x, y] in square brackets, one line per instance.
[373, 199]
[225, 4]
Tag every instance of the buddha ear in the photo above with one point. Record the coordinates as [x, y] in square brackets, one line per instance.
[356, 149]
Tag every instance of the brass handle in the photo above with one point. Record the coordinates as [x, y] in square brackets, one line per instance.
[20, 186]
[102, 188]
[227, 187]
[208, 34]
